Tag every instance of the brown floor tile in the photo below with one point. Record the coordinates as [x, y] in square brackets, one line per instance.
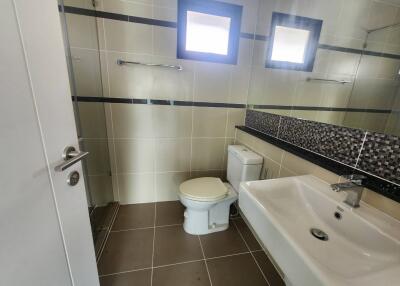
[247, 235]
[169, 213]
[134, 216]
[127, 250]
[187, 274]
[237, 270]
[223, 243]
[137, 278]
[173, 245]
[268, 269]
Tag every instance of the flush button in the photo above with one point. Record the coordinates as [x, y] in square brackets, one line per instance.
[73, 178]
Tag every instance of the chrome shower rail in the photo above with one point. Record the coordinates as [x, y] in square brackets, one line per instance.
[122, 62]
[328, 80]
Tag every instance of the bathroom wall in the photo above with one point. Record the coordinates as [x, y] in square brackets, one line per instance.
[154, 147]
[279, 163]
[373, 79]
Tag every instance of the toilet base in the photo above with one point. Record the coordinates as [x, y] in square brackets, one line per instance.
[207, 217]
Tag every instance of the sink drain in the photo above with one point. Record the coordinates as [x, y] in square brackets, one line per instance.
[320, 234]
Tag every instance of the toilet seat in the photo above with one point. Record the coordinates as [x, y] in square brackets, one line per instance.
[204, 189]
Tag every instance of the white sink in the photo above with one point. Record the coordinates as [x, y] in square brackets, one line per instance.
[363, 246]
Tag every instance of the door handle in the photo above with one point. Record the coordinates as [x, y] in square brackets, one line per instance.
[70, 157]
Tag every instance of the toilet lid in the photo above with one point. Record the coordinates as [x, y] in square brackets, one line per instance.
[204, 189]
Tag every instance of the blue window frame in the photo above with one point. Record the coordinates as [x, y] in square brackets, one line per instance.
[208, 31]
[293, 42]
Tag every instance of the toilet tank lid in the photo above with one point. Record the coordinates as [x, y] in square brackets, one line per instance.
[245, 155]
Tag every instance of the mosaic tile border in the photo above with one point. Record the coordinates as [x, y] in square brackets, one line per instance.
[381, 156]
[339, 149]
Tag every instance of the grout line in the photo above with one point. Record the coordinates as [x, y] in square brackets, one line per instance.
[108, 233]
[361, 149]
[154, 240]
[149, 227]
[228, 255]
[192, 117]
[178, 263]
[251, 253]
[123, 272]
[205, 261]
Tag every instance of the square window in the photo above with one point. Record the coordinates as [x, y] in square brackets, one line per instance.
[293, 43]
[208, 31]
[289, 44]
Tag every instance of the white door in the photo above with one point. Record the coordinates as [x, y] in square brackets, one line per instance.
[45, 236]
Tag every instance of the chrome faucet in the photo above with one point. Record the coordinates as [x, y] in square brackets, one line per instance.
[353, 187]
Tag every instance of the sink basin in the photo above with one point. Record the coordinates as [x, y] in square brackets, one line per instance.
[350, 247]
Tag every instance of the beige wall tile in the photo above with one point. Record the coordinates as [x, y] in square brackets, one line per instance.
[236, 116]
[133, 81]
[286, 173]
[228, 141]
[165, 42]
[270, 169]
[97, 162]
[172, 121]
[167, 185]
[331, 117]
[212, 82]
[267, 150]
[136, 188]
[207, 153]
[82, 31]
[309, 93]
[87, 72]
[240, 84]
[172, 84]
[165, 11]
[382, 203]
[302, 167]
[244, 138]
[352, 19]
[134, 155]
[132, 120]
[140, 8]
[245, 55]
[87, 4]
[249, 14]
[92, 120]
[343, 63]
[280, 86]
[210, 173]
[173, 154]
[128, 37]
[209, 121]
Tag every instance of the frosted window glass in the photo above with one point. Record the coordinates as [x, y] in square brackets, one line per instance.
[207, 33]
[289, 44]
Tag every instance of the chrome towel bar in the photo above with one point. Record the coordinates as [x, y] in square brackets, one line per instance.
[122, 62]
[328, 80]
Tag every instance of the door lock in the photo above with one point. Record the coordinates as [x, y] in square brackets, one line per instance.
[73, 178]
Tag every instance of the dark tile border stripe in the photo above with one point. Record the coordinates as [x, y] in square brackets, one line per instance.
[321, 108]
[171, 24]
[156, 102]
[374, 183]
[218, 104]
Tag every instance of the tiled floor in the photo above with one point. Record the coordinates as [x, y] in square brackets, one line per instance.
[148, 247]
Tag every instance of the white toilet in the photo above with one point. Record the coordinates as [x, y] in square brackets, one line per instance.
[207, 200]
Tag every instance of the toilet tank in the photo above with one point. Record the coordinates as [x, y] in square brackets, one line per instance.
[243, 165]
